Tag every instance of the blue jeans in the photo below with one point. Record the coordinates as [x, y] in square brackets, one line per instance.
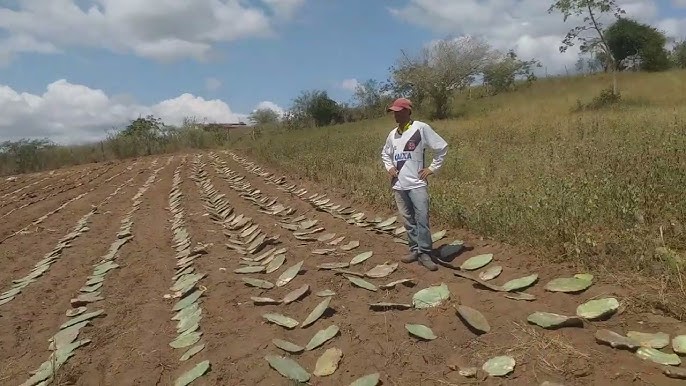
[413, 206]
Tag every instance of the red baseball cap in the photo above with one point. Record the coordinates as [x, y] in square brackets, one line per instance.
[399, 104]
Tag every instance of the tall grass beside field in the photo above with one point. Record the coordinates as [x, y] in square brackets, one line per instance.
[605, 185]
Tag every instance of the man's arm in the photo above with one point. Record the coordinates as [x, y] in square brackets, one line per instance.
[439, 146]
[387, 153]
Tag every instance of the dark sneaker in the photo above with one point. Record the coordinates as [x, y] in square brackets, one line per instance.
[411, 258]
[426, 261]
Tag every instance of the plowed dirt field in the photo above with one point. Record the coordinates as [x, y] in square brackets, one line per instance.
[208, 269]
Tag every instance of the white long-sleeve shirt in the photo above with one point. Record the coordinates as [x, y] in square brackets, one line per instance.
[405, 151]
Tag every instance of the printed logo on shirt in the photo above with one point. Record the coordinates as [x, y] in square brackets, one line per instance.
[413, 141]
[403, 156]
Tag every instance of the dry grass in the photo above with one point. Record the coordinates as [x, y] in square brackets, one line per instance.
[545, 352]
[649, 294]
[30, 158]
[593, 187]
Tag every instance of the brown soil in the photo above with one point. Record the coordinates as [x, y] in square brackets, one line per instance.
[51, 188]
[130, 344]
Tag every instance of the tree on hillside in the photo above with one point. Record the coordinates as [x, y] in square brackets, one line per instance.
[639, 44]
[442, 68]
[591, 11]
[24, 154]
[146, 132]
[263, 117]
[398, 84]
[369, 97]
[315, 107]
[678, 54]
[590, 65]
[148, 127]
[501, 72]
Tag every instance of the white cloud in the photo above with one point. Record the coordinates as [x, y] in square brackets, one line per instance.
[349, 84]
[524, 25]
[284, 8]
[673, 27]
[272, 106]
[173, 111]
[16, 44]
[162, 30]
[72, 113]
[679, 3]
[212, 84]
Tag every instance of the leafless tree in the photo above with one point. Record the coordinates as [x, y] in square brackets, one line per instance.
[591, 10]
[441, 68]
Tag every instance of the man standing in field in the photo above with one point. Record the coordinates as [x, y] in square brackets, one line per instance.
[403, 157]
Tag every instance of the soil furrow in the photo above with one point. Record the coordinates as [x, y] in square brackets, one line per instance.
[232, 364]
[47, 192]
[16, 221]
[12, 186]
[82, 226]
[64, 184]
[43, 201]
[90, 293]
[17, 184]
[187, 289]
[567, 355]
[64, 203]
[216, 225]
[35, 314]
[357, 323]
[23, 250]
[248, 366]
[46, 184]
[130, 345]
[41, 181]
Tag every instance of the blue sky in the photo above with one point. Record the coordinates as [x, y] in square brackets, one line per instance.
[123, 58]
[327, 42]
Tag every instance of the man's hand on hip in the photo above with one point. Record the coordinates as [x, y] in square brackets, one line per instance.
[425, 173]
[393, 172]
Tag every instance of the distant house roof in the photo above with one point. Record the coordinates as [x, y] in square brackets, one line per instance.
[224, 126]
